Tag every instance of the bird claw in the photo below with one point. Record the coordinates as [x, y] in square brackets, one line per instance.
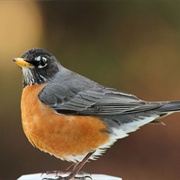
[65, 175]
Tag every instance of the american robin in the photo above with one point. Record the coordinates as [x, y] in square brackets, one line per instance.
[75, 118]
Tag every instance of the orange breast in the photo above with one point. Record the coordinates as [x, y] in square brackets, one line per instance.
[57, 134]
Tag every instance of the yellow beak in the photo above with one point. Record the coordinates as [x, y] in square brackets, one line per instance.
[21, 62]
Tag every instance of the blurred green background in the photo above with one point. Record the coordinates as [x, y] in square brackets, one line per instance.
[133, 46]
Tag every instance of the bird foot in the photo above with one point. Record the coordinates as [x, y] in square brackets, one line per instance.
[73, 172]
[66, 175]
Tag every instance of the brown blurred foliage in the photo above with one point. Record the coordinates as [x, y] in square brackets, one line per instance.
[129, 45]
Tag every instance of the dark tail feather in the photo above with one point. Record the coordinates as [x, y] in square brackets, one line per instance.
[172, 106]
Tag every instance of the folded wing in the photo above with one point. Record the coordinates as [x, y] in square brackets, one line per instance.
[75, 94]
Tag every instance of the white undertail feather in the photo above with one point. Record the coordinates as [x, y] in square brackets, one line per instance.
[123, 130]
[117, 133]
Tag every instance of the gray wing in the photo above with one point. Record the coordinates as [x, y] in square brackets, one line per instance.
[70, 93]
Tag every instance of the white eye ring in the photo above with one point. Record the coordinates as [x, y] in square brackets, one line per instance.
[38, 58]
[40, 66]
[42, 61]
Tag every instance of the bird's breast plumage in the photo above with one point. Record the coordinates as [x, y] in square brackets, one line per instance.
[64, 136]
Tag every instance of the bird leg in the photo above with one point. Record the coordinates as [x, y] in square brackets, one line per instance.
[73, 170]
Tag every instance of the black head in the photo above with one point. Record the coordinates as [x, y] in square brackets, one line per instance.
[40, 58]
[38, 66]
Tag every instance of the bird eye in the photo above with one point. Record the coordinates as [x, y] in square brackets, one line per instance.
[42, 61]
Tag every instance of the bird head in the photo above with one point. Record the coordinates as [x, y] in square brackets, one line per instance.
[38, 66]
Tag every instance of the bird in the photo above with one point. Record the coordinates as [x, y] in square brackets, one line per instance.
[74, 118]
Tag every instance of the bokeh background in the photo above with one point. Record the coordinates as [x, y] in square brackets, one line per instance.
[131, 45]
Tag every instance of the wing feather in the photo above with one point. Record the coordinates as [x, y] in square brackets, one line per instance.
[75, 94]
